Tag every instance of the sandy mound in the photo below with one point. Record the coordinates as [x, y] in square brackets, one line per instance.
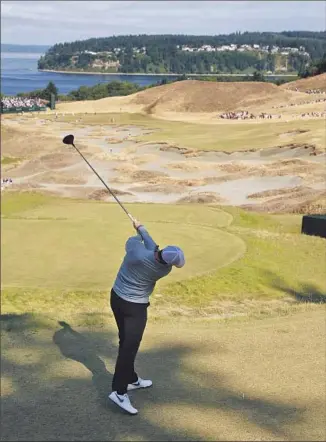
[103, 194]
[206, 96]
[317, 82]
[201, 198]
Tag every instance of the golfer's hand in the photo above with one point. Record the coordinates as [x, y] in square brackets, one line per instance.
[136, 224]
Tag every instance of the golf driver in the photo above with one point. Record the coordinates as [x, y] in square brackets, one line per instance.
[69, 139]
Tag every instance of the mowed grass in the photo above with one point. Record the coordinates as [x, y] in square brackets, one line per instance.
[225, 136]
[9, 160]
[63, 255]
[80, 245]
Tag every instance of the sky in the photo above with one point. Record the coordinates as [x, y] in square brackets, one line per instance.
[50, 22]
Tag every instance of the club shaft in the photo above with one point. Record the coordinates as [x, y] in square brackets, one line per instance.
[107, 187]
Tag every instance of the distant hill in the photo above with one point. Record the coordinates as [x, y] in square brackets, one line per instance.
[36, 49]
[237, 53]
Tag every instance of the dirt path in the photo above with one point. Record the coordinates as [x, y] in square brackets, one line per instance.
[258, 380]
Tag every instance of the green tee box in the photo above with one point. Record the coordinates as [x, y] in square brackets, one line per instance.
[314, 225]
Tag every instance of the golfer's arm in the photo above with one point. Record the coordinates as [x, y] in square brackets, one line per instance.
[148, 240]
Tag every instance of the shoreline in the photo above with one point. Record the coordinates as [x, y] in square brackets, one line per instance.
[110, 73]
[144, 74]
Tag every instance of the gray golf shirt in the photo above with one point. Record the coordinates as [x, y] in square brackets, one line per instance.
[139, 270]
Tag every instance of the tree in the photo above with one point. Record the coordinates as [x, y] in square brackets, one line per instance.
[258, 76]
[50, 89]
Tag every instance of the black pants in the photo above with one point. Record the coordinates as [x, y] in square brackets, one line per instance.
[131, 320]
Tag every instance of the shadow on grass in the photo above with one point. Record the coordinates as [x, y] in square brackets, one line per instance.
[75, 346]
[308, 292]
[49, 400]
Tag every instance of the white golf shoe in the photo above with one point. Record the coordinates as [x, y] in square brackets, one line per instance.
[123, 401]
[141, 383]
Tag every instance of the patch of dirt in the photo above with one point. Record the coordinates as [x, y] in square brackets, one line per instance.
[201, 198]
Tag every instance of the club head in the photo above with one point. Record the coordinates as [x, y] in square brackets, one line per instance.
[69, 139]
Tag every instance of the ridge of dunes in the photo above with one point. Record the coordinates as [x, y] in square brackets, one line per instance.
[188, 96]
[207, 96]
[304, 84]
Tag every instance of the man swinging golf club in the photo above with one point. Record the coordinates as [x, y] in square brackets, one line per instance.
[143, 265]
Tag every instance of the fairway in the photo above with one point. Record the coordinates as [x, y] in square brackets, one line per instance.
[80, 245]
[219, 135]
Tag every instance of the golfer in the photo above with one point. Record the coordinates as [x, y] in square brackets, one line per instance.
[143, 265]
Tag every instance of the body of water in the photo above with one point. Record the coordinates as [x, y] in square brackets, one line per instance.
[19, 74]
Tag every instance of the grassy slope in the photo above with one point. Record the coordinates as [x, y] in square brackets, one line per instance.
[229, 136]
[72, 251]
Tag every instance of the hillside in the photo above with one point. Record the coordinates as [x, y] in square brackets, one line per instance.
[207, 96]
[303, 85]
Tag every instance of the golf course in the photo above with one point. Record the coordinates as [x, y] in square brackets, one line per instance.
[235, 341]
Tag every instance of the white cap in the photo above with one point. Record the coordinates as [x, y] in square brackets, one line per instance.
[173, 256]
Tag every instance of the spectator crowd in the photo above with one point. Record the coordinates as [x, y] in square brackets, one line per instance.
[245, 115]
[310, 91]
[5, 182]
[20, 102]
